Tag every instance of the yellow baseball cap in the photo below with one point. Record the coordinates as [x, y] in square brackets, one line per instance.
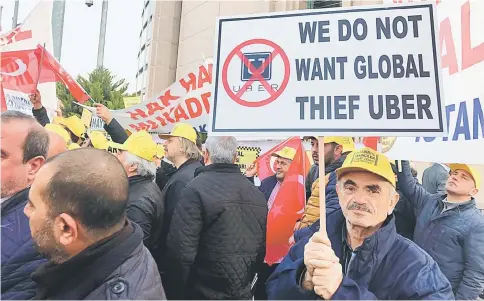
[475, 174]
[74, 124]
[182, 130]
[98, 140]
[286, 153]
[346, 142]
[58, 129]
[140, 144]
[367, 159]
[160, 151]
[73, 146]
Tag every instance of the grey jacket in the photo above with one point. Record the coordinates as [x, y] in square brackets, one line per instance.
[136, 279]
[455, 238]
[434, 178]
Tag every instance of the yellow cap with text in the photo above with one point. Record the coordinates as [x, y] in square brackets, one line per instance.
[74, 124]
[367, 159]
[346, 142]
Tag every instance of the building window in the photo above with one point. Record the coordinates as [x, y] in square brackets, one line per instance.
[316, 4]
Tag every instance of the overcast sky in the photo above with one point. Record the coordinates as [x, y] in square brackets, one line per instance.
[81, 35]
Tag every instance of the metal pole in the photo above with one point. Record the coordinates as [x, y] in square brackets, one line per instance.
[1, 13]
[102, 34]
[58, 12]
[15, 14]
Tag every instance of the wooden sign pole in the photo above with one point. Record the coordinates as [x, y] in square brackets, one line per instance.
[322, 186]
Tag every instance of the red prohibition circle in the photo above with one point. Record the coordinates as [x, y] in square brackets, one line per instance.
[278, 50]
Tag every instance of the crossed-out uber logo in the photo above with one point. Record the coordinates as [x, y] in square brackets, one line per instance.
[253, 61]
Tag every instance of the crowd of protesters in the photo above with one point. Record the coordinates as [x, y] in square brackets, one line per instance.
[85, 217]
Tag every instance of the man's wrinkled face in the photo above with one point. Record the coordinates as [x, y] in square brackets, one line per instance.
[281, 166]
[121, 155]
[365, 198]
[42, 225]
[14, 172]
[172, 148]
[315, 150]
[461, 183]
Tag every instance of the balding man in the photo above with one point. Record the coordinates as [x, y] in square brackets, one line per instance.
[77, 215]
[24, 144]
[57, 144]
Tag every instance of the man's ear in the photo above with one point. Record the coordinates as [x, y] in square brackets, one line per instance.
[34, 165]
[133, 168]
[393, 202]
[66, 228]
[473, 192]
[338, 150]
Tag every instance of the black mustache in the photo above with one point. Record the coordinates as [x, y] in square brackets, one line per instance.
[361, 207]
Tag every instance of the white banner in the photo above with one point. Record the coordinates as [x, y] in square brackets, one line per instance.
[462, 40]
[187, 100]
[362, 71]
[36, 29]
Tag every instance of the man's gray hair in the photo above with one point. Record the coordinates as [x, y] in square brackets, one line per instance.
[145, 168]
[221, 149]
[189, 149]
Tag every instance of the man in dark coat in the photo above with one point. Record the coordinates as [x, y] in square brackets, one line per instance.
[450, 227]
[145, 204]
[217, 234]
[24, 145]
[181, 149]
[77, 217]
[359, 256]
[435, 177]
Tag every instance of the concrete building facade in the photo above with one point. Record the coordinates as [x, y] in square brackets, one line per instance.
[177, 35]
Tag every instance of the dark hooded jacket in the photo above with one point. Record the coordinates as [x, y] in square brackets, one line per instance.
[118, 267]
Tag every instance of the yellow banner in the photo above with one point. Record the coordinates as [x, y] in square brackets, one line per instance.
[86, 117]
[246, 155]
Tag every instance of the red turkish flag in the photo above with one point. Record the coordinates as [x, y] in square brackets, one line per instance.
[288, 206]
[22, 70]
[265, 163]
[77, 91]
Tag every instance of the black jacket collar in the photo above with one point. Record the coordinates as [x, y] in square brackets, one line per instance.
[76, 278]
[218, 167]
[138, 179]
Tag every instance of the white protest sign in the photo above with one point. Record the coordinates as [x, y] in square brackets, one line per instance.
[36, 29]
[462, 39]
[363, 71]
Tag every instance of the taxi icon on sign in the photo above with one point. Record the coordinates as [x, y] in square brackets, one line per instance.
[252, 62]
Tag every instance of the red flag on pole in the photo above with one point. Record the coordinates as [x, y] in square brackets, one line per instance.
[22, 70]
[288, 206]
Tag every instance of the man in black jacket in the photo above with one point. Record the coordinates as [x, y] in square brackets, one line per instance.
[217, 234]
[77, 218]
[145, 204]
[181, 149]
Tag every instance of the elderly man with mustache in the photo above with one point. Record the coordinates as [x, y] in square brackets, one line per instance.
[361, 256]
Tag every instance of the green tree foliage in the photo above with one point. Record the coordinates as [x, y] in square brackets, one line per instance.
[103, 88]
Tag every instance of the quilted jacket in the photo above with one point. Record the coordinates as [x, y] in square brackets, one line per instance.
[19, 256]
[455, 238]
[217, 236]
